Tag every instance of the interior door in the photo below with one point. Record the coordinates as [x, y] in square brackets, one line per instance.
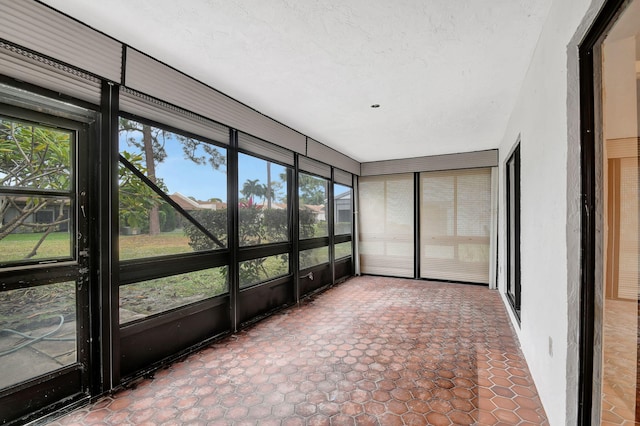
[617, 311]
[44, 262]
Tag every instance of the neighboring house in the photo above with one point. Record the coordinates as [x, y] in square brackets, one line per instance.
[342, 205]
[43, 217]
[278, 206]
[318, 211]
[342, 209]
[189, 204]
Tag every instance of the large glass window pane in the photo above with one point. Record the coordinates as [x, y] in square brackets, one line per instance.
[35, 224]
[191, 172]
[150, 297]
[262, 269]
[263, 208]
[314, 257]
[343, 250]
[178, 234]
[34, 156]
[37, 331]
[342, 210]
[312, 193]
[386, 225]
[37, 228]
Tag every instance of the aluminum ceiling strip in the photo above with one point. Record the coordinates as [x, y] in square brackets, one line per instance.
[315, 167]
[466, 160]
[39, 28]
[321, 152]
[342, 177]
[34, 69]
[152, 109]
[264, 149]
[153, 78]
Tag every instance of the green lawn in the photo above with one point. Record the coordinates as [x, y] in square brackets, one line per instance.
[144, 245]
[147, 297]
[343, 250]
[158, 295]
[15, 247]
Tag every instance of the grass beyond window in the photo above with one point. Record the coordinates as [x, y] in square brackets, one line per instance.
[154, 296]
[17, 246]
[145, 245]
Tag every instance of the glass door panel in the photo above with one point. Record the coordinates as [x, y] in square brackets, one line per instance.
[387, 225]
[455, 221]
[43, 261]
[38, 331]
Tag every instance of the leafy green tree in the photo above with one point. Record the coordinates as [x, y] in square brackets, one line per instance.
[213, 220]
[136, 198]
[152, 145]
[33, 157]
[252, 188]
[275, 193]
[312, 190]
[150, 142]
[259, 226]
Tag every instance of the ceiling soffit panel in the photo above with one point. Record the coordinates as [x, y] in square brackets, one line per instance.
[156, 79]
[41, 29]
[330, 156]
[307, 164]
[34, 69]
[143, 106]
[465, 160]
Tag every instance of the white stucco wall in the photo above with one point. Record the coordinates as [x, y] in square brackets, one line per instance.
[546, 116]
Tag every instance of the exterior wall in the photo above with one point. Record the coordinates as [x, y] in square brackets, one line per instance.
[546, 116]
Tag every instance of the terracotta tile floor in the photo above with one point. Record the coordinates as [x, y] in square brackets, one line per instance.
[372, 351]
[620, 362]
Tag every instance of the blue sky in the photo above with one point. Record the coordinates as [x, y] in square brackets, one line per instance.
[201, 180]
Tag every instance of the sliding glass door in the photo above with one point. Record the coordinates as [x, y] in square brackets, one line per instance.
[387, 225]
[433, 225]
[455, 225]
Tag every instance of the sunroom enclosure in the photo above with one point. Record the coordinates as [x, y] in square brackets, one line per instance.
[173, 240]
[145, 215]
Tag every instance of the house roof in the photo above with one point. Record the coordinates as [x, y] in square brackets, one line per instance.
[190, 204]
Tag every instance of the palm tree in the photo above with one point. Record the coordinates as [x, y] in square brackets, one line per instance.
[252, 188]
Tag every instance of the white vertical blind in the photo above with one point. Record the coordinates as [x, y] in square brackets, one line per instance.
[629, 260]
[386, 216]
[455, 225]
[493, 259]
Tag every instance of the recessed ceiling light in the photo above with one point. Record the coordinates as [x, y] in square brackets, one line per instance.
[375, 106]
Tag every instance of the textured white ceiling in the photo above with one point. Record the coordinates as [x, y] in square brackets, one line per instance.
[446, 73]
